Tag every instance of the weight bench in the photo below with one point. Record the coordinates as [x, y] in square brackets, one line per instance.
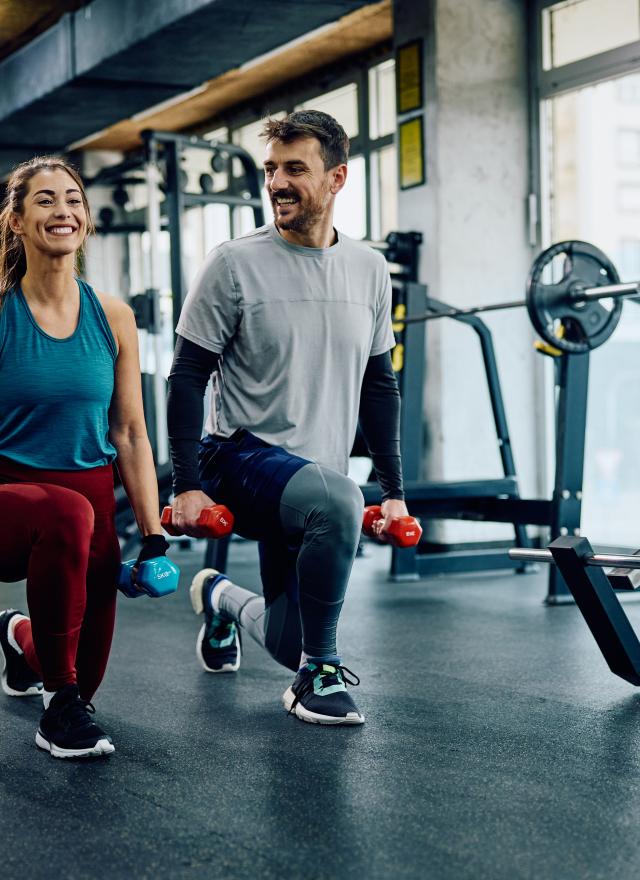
[595, 596]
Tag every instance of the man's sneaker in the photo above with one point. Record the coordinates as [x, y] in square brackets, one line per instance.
[18, 678]
[66, 729]
[218, 646]
[319, 695]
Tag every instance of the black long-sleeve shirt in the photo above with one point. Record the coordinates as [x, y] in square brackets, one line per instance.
[379, 416]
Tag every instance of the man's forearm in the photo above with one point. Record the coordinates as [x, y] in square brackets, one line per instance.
[192, 366]
[380, 424]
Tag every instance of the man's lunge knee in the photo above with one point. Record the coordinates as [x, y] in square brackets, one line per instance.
[329, 546]
[334, 528]
[345, 511]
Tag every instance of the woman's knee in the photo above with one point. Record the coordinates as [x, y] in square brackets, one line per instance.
[67, 517]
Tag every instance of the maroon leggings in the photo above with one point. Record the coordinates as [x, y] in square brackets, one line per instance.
[57, 530]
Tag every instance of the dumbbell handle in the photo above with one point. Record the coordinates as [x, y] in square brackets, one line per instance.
[216, 521]
[156, 577]
[404, 531]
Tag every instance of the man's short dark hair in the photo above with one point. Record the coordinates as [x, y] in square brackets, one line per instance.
[334, 143]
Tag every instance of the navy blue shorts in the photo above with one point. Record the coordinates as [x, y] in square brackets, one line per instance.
[248, 476]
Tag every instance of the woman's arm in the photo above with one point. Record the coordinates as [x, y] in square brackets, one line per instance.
[127, 428]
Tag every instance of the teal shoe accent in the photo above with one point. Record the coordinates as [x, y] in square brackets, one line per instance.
[319, 695]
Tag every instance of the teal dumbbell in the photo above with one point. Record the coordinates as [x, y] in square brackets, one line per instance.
[156, 578]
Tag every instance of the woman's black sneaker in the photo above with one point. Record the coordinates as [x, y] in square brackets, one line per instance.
[18, 678]
[66, 729]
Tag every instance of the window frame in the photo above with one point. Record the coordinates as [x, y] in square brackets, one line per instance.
[327, 79]
[547, 84]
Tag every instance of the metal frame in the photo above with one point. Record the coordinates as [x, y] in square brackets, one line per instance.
[582, 570]
[486, 500]
[604, 65]
[168, 147]
[476, 499]
[178, 201]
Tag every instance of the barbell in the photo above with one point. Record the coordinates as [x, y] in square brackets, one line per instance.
[568, 314]
[600, 560]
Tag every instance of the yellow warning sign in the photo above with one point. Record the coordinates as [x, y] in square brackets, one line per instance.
[411, 141]
[409, 73]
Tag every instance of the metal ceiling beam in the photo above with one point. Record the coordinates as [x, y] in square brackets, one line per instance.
[113, 59]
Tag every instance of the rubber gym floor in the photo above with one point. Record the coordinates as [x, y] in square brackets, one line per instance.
[497, 745]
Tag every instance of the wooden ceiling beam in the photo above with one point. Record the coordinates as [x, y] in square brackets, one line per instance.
[350, 35]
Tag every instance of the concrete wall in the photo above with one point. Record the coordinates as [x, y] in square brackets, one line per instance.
[472, 212]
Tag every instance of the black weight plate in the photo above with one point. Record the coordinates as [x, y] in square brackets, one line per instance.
[585, 325]
[206, 183]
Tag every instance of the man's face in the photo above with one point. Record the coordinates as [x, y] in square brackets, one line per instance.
[300, 190]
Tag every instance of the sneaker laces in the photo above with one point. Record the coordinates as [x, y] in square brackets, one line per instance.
[76, 714]
[218, 629]
[330, 674]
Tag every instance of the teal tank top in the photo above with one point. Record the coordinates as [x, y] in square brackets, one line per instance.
[55, 393]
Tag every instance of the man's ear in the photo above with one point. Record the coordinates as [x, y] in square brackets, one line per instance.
[339, 178]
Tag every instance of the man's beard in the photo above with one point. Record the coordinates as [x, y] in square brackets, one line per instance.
[306, 218]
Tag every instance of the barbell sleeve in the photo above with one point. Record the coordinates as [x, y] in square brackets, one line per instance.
[629, 288]
[600, 560]
[604, 291]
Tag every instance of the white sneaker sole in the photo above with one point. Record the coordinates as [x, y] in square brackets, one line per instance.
[195, 590]
[313, 717]
[102, 748]
[10, 692]
[226, 667]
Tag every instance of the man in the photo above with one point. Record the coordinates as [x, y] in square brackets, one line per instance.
[294, 322]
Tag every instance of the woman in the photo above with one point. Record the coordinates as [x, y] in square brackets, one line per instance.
[70, 404]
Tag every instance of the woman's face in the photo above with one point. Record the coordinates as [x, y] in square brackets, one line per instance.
[53, 220]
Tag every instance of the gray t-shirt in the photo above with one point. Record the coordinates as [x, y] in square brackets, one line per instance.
[296, 327]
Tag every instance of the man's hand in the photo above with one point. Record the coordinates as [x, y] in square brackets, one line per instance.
[391, 509]
[186, 509]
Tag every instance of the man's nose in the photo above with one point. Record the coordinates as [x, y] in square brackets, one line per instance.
[279, 180]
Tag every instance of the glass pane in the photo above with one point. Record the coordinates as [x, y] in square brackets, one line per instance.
[581, 28]
[342, 104]
[243, 220]
[248, 137]
[193, 249]
[216, 226]
[629, 148]
[594, 194]
[382, 99]
[350, 213]
[384, 192]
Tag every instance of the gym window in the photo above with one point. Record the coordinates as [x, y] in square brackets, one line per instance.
[577, 29]
[586, 90]
[364, 103]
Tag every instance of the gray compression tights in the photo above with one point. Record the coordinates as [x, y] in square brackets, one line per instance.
[304, 587]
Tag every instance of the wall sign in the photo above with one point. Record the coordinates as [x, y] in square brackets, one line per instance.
[409, 77]
[411, 153]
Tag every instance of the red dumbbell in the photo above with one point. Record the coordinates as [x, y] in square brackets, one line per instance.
[217, 521]
[404, 531]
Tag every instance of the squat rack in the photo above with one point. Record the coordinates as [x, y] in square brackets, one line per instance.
[588, 278]
[158, 167]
